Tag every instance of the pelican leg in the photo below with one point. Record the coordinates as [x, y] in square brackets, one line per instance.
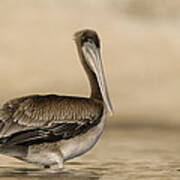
[47, 154]
[60, 165]
[46, 166]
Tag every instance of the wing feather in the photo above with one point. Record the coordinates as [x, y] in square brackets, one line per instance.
[37, 118]
[49, 134]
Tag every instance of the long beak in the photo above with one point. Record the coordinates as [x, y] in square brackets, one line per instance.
[93, 57]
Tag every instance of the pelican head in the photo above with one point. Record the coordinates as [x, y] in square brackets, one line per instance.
[88, 45]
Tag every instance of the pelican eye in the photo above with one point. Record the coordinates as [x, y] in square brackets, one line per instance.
[90, 40]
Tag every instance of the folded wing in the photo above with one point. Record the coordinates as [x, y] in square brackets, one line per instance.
[37, 119]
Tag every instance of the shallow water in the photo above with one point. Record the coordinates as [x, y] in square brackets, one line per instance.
[124, 152]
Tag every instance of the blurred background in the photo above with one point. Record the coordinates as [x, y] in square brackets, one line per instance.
[140, 47]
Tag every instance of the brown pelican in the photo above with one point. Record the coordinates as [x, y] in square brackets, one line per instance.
[51, 129]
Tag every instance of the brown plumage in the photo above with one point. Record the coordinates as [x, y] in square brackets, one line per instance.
[64, 117]
[50, 129]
